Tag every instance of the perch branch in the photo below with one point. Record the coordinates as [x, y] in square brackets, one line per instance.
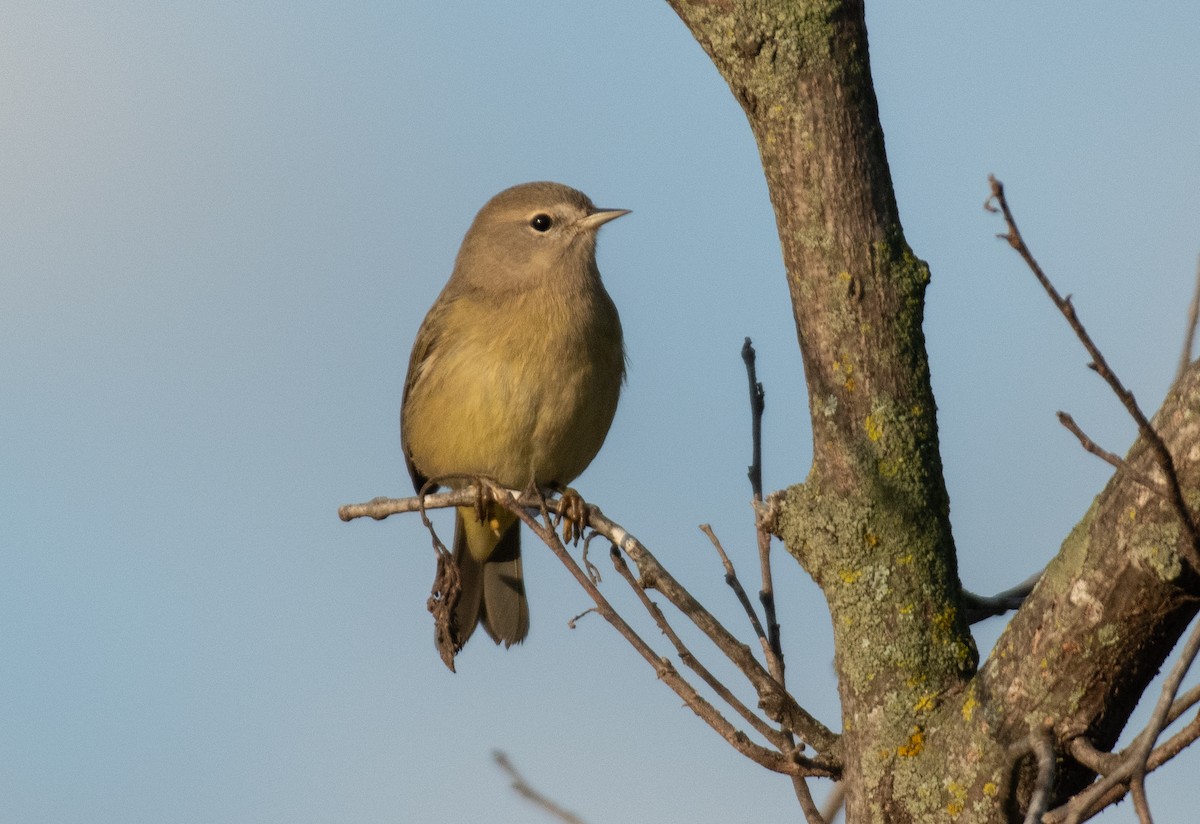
[772, 697]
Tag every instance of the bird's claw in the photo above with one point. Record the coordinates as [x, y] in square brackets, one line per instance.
[573, 514]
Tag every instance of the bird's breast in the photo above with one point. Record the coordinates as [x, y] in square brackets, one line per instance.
[522, 390]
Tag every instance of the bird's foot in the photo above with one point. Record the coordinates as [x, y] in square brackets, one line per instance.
[572, 511]
[485, 510]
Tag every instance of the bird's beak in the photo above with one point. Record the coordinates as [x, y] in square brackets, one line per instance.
[601, 216]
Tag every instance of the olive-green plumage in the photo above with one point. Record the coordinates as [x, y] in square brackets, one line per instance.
[515, 375]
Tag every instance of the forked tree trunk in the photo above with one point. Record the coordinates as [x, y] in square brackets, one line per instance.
[926, 732]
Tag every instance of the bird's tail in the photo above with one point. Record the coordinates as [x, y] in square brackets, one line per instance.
[493, 587]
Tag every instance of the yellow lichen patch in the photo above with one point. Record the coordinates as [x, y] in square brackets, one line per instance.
[874, 428]
[990, 789]
[959, 794]
[872, 539]
[846, 369]
[1133, 513]
[905, 559]
[849, 576]
[916, 743]
[925, 703]
[968, 708]
[944, 620]
[890, 469]
[906, 609]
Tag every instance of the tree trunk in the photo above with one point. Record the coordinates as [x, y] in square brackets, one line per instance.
[926, 735]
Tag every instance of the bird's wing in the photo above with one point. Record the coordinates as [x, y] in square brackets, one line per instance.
[424, 349]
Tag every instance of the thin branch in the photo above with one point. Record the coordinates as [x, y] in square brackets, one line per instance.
[1040, 745]
[735, 584]
[1185, 357]
[1184, 703]
[774, 736]
[980, 607]
[1141, 804]
[1158, 447]
[809, 807]
[663, 668]
[758, 403]
[766, 595]
[773, 698]
[521, 786]
[1110, 458]
[834, 802]
[1098, 761]
[785, 742]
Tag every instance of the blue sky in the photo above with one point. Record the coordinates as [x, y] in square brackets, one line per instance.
[223, 225]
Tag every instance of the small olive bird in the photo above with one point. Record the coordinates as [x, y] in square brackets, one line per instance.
[514, 375]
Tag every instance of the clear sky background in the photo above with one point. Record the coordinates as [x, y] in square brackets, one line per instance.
[221, 226]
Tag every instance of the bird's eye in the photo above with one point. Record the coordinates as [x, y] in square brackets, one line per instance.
[541, 222]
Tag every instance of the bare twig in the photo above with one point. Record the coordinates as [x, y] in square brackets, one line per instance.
[1185, 357]
[979, 607]
[770, 641]
[766, 595]
[758, 403]
[1158, 447]
[834, 802]
[1110, 458]
[575, 620]
[525, 791]
[1040, 745]
[1098, 761]
[765, 730]
[777, 702]
[1141, 804]
[736, 585]
[809, 807]
[1184, 703]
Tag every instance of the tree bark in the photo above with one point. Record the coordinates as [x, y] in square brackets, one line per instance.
[926, 735]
